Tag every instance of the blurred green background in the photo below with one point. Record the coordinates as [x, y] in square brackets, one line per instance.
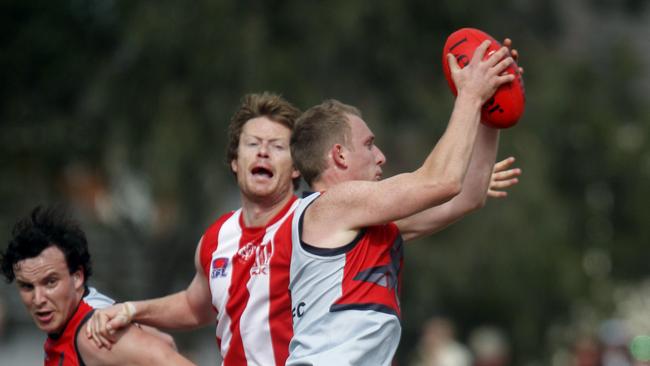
[119, 109]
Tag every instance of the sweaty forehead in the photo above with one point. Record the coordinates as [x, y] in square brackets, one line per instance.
[51, 260]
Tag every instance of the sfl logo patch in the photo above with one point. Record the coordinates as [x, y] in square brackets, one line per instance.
[219, 266]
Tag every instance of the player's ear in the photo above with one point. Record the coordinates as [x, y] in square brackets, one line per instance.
[233, 165]
[295, 173]
[78, 278]
[338, 156]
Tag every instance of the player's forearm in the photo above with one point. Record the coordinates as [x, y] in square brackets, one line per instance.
[449, 160]
[474, 192]
[440, 178]
[471, 197]
[169, 312]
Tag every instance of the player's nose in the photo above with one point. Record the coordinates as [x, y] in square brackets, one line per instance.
[39, 296]
[379, 156]
[263, 150]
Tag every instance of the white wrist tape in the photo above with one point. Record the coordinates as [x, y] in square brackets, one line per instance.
[129, 309]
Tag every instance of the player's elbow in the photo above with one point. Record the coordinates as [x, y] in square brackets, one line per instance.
[449, 189]
[477, 204]
[470, 203]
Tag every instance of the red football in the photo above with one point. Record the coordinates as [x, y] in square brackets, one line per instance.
[505, 108]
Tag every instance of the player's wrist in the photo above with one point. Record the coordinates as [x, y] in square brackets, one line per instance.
[473, 100]
[130, 310]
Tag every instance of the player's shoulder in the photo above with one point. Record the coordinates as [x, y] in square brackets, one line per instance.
[210, 239]
[216, 224]
[96, 299]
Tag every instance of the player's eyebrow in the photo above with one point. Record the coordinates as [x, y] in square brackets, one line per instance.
[22, 283]
[49, 276]
[274, 139]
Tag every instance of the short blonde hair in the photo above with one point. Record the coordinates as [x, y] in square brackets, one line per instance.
[317, 130]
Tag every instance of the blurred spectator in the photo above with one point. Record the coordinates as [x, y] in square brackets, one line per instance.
[587, 351]
[438, 345]
[489, 346]
[615, 338]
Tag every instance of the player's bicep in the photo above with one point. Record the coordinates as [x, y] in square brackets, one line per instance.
[199, 299]
[198, 292]
[353, 205]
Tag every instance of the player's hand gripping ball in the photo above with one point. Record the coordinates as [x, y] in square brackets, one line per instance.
[506, 106]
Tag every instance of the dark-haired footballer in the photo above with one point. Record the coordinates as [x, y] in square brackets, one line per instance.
[48, 258]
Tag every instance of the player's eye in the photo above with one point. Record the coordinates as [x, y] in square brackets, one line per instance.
[51, 282]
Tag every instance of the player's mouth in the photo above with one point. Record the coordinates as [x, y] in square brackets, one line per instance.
[44, 316]
[262, 172]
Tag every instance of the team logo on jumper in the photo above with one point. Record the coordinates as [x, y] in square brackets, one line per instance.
[263, 254]
[219, 266]
[246, 251]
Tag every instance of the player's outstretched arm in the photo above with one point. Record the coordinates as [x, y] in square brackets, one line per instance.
[134, 346]
[482, 179]
[471, 197]
[437, 218]
[352, 205]
[186, 309]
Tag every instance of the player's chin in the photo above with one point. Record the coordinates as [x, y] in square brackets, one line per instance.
[263, 190]
[47, 327]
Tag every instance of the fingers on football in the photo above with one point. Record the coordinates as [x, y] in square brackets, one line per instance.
[480, 52]
[453, 63]
[514, 54]
[497, 57]
[503, 65]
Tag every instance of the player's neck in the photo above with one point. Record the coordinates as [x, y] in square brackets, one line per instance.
[327, 180]
[258, 213]
[319, 186]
